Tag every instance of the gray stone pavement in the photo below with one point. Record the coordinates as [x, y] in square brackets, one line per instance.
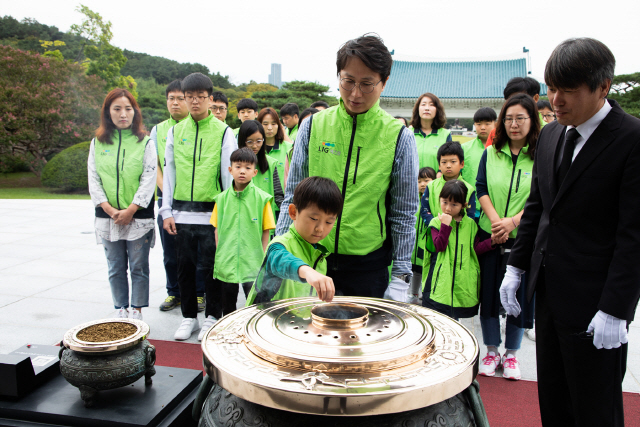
[53, 276]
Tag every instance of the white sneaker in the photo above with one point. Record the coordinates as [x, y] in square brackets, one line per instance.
[206, 325]
[136, 314]
[531, 333]
[489, 364]
[123, 313]
[511, 368]
[187, 327]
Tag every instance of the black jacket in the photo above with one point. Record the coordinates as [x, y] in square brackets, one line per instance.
[591, 256]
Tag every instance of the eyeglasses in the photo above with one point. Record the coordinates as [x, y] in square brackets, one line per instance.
[549, 116]
[256, 142]
[519, 121]
[218, 109]
[196, 98]
[179, 98]
[365, 87]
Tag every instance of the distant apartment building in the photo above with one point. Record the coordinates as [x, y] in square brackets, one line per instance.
[275, 78]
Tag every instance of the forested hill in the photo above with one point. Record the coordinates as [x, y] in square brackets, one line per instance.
[28, 34]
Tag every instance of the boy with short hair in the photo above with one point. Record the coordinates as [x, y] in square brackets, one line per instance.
[219, 105]
[295, 264]
[451, 163]
[197, 161]
[243, 218]
[290, 113]
[318, 105]
[484, 121]
[247, 110]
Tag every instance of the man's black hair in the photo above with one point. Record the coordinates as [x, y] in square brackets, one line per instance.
[455, 190]
[244, 155]
[290, 109]
[247, 104]
[220, 97]
[197, 82]
[427, 172]
[174, 86]
[544, 104]
[307, 112]
[451, 148]
[579, 61]
[319, 104]
[485, 114]
[526, 85]
[371, 50]
[318, 191]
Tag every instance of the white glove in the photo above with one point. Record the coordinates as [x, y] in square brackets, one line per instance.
[608, 331]
[397, 290]
[508, 289]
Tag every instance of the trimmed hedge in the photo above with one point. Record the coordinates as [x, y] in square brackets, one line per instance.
[67, 170]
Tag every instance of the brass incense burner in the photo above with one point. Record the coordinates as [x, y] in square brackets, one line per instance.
[355, 356]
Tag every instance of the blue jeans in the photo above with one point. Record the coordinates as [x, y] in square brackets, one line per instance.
[135, 255]
[491, 333]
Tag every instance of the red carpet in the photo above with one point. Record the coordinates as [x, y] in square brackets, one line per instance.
[508, 403]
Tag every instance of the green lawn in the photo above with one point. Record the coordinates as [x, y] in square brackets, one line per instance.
[25, 185]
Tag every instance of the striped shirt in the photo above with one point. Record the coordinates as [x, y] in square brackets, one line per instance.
[403, 192]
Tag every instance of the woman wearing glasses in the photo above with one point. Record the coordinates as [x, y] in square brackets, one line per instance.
[122, 177]
[503, 185]
[251, 134]
[428, 120]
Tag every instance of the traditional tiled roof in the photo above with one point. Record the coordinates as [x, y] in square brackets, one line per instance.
[454, 79]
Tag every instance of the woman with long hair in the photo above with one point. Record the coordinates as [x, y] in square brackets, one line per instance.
[252, 135]
[122, 177]
[274, 144]
[503, 186]
[428, 120]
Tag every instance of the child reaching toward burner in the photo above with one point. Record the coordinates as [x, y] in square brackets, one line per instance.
[295, 263]
[455, 289]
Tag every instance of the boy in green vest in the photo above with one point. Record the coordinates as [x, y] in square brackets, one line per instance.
[247, 110]
[484, 120]
[290, 114]
[196, 170]
[243, 218]
[295, 264]
[219, 106]
[451, 163]
[177, 106]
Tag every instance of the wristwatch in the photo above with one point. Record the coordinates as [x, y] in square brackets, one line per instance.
[406, 278]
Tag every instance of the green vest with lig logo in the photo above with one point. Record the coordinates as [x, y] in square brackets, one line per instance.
[357, 153]
[197, 147]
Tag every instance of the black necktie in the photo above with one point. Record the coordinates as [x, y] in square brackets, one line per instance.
[567, 154]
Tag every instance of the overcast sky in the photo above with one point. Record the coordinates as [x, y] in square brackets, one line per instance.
[242, 38]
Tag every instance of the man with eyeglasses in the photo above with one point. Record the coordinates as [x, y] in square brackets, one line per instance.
[219, 106]
[197, 169]
[373, 159]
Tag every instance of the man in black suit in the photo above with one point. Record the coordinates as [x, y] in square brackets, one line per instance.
[579, 241]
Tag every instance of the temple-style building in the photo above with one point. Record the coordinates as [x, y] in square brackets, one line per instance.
[462, 85]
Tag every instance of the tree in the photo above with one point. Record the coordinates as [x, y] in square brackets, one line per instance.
[45, 105]
[104, 59]
[302, 93]
[625, 89]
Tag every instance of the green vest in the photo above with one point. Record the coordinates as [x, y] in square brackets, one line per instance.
[456, 274]
[508, 184]
[542, 122]
[472, 153]
[197, 147]
[235, 132]
[418, 254]
[264, 181]
[428, 145]
[120, 166]
[435, 187]
[280, 154]
[162, 129]
[357, 153]
[240, 218]
[300, 248]
[293, 133]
